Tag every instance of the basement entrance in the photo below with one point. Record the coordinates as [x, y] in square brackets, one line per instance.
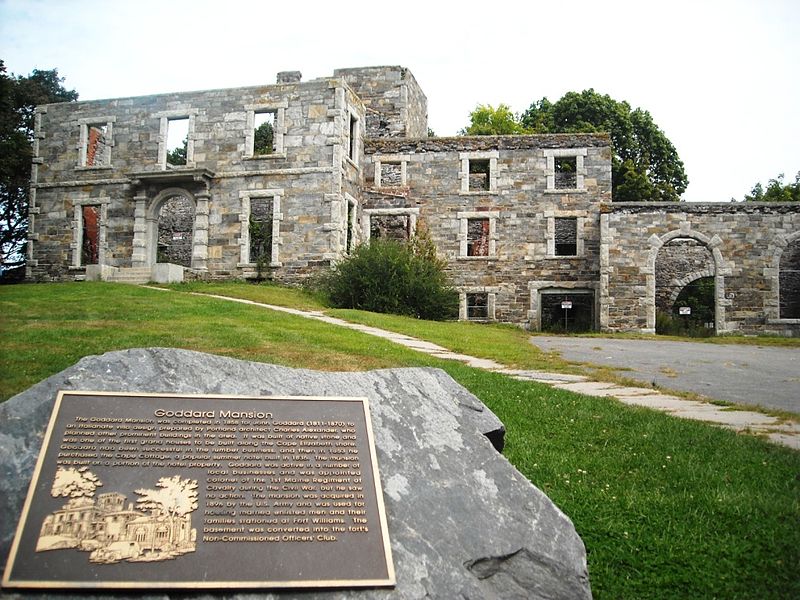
[567, 312]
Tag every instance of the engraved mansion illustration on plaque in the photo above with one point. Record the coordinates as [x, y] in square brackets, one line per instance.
[156, 526]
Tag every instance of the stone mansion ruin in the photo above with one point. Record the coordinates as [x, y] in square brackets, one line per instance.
[525, 222]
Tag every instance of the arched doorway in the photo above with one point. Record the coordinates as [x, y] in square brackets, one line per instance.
[677, 259]
[171, 225]
[175, 231]
[684, 296]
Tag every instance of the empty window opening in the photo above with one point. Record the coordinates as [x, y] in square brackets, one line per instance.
[479, 174]
[789, 282]
[566, 172]
[390, 227]
[261, 230]
[391, 174]
[477, 237]
[264, 132]
[98, 149]
[90, 245]
[353, 131]
[177, 141]
[566, 236]
[349, 222]
[477, 306]
[175, 231]
[567, 311]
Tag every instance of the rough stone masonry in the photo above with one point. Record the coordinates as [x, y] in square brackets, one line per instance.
[525, 222]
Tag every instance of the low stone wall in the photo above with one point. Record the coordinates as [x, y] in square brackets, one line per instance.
[746, 241]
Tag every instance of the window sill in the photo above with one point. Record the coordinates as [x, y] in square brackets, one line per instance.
[186, 167]
[479, 193]
[100, 168]
[272, 156]
[255, 266]
[566, 191]
[491, 257]
[783, 321]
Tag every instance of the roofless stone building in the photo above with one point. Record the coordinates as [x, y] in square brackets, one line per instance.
[281, 180]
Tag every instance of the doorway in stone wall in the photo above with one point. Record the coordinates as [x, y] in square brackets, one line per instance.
[569, 311]
[175, 231]
[685, 295]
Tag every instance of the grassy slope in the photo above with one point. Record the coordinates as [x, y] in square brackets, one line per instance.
[667, 508]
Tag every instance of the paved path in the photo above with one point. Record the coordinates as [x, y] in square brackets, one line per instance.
[786, 433]
[752, 375]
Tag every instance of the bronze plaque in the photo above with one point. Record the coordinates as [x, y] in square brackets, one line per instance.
[176, 491]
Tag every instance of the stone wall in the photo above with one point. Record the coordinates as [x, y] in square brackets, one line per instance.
[746, 242]
[310, 173]
[396, 105]
[519, 206]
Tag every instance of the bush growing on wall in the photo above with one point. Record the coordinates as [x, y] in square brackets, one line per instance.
[387, 276]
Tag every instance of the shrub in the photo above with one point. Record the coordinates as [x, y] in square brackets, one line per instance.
[387, 276]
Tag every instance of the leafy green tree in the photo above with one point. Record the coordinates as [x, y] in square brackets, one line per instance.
[776, 191]
[263, 139]
[634, 185]
[634, 135]
[177, 156]
[18, 97]
[488, 120]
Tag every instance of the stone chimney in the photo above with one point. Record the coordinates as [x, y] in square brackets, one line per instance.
[289, 77]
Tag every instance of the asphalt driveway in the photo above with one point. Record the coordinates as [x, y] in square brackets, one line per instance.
[763, 376]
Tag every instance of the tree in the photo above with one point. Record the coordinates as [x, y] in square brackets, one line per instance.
[263, 139]
[175, 498]
[18, 98]
[70, 482]
[487, 120]
[645, 165]
[177, 156]
[776, 191]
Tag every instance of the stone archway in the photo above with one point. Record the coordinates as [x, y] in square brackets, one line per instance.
[175, 231]
[681, 264]
[704, 260]
[171, 235]
[784, 274]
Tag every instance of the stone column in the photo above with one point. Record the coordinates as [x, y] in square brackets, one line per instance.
[200, 242]
[139, 255]
[605, 299]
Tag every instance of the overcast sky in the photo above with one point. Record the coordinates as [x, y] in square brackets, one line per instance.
[721, 78]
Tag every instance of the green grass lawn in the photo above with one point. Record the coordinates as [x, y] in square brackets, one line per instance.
[667, 508]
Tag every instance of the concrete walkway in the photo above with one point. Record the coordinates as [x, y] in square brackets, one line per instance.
[777, 430]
